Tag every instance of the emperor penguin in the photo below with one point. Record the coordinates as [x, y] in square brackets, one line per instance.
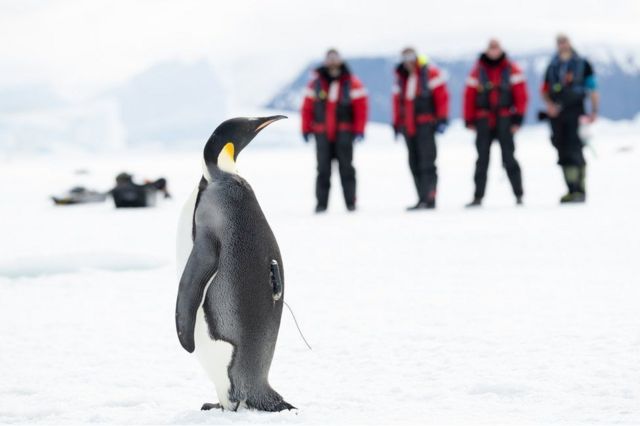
[231, 288]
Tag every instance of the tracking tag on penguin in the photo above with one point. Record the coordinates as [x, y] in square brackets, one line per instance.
[276, 281]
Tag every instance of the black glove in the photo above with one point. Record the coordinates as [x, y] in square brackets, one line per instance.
[441, 125]
[307, 136]
[517, 119]
[396, 132]
[358, 137]
[470, 124]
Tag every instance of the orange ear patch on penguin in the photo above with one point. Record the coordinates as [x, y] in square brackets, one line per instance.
[226, 158]
[229, 149]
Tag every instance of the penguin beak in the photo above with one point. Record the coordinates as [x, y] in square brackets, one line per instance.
[250, 129]
[265, 121]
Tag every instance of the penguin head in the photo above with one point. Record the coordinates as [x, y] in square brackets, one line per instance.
[231, 137]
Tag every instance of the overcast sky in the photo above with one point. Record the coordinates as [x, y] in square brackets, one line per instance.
[85, 46]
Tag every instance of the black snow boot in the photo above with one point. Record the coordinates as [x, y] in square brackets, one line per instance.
[477, 202]
[422, 205]
[573, 197]
[321, 208]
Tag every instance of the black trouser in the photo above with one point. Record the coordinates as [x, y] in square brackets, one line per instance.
[342, 150]
[565, 138]
[422, 161]
[485, 135]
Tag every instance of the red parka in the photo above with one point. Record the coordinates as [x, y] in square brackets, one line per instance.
[334, 104]
[495, 88]
[420, 97]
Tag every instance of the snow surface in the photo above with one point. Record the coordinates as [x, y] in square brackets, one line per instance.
[502, 315]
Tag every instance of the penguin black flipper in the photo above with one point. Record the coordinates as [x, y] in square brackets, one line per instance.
[200, 268]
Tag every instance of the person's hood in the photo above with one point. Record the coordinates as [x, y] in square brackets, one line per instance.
[485, 60]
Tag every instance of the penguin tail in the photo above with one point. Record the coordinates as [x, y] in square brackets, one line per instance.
[273, 408]
[283, 405]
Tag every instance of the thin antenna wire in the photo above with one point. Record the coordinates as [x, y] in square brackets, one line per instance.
[297, 326]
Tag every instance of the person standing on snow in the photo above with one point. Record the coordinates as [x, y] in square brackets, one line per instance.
[568, 81]
[334, 112]
[420, 110]
[495, 102]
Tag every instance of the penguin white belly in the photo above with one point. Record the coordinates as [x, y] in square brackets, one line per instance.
[214, 356]
[184, 240]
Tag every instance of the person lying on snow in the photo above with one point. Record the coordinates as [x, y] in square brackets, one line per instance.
[127, 193]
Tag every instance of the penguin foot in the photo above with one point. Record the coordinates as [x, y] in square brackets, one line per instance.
[216, 406]
[210, 406]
